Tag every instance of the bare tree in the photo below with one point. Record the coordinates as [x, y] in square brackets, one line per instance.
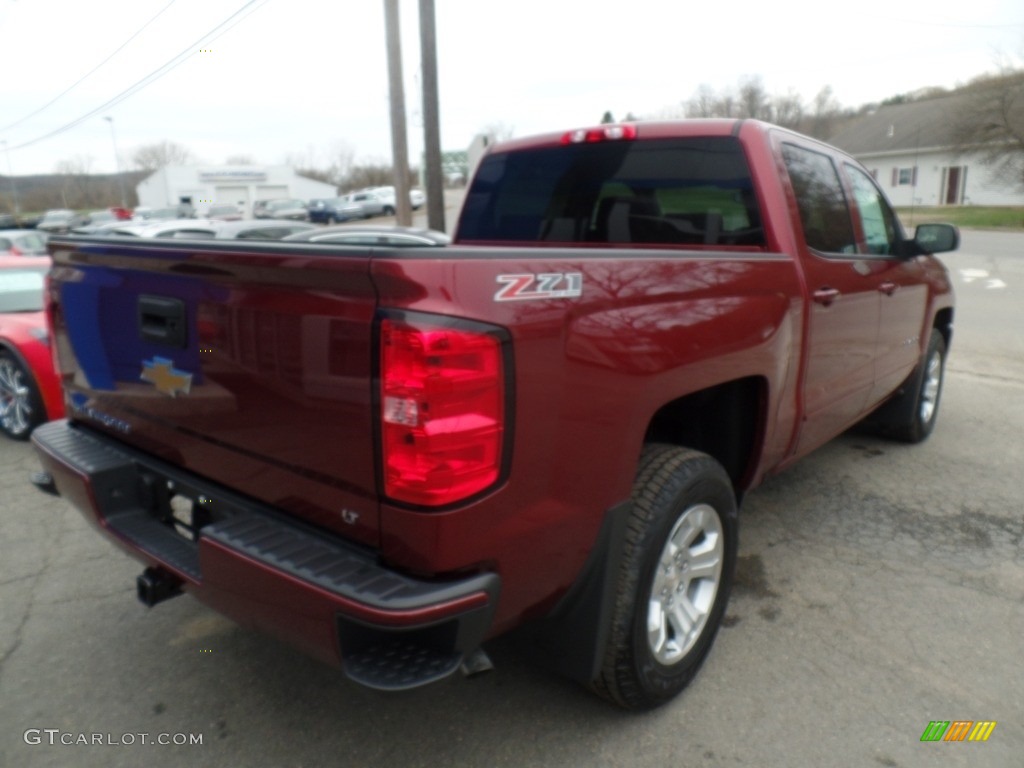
[990, 122]
[150, 157]
[825, 110]
[787, 110]
[372, 174]
[703, 103]
[341, 160]
[753, 99]
[76, 190]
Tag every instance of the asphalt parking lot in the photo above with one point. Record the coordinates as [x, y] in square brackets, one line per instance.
[880, 587]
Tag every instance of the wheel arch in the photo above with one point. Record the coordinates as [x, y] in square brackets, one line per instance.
[726, 421]
[943, 323]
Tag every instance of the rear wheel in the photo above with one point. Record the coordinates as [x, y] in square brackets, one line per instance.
[675, 577]
[21, 407]
[389, 211]
[331, 220]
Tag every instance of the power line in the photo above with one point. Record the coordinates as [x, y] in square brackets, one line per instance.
[87, 74]
[149, 79]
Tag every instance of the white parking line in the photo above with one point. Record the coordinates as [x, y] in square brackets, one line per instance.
[970, 275]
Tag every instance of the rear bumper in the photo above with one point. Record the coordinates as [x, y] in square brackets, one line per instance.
[330, 599]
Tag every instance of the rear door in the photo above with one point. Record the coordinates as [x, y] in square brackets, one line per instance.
[843, 313]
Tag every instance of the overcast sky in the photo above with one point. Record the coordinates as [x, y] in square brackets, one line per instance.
[304, 77]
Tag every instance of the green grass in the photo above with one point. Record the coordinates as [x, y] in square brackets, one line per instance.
[977, 216]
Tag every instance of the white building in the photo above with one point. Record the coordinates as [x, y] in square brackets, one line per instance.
[202, 186]
[912, 151]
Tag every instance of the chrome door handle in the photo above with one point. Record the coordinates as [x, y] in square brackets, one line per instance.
[825, 296]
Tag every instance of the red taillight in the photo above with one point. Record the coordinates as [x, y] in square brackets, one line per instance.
[614, 132]
[442, 411]
[14, 251]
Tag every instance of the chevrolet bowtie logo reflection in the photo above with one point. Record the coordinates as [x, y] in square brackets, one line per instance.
[161, 373]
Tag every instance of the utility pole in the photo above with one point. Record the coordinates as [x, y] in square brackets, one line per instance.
[399, 140]
[431, 118]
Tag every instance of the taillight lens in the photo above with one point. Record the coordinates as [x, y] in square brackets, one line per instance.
[442, 411]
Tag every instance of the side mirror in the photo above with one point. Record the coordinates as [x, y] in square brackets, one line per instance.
[936, 238]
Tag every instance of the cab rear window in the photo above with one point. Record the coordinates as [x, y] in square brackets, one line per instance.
[695, 191]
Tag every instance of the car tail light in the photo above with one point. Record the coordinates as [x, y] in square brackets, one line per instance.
[442, 398]
[14, 251]
[602, 133]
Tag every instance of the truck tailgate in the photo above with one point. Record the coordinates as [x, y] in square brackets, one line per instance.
[251, 369]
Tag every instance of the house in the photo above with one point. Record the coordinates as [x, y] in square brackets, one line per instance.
[922, 153]
[203, 186]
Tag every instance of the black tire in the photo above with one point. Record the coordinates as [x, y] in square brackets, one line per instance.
[911, 415]
[674, 486]
[21, 407]
[389, 211]
[331, 220]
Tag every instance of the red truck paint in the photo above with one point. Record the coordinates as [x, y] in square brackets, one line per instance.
[749, 346]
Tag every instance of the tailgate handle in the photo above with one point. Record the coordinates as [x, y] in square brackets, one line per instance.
[162, 321]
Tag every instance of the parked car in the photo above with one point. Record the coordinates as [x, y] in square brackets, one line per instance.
[262, 229]
[145, 213]
[30, 391]
[60, 220]
[371, 203]
[102, 217]
[410, 237]
[334, 210]
[225, 212]
[21, 242]
[97, 221]
[178, 228]
[416, 196]
[283, 208]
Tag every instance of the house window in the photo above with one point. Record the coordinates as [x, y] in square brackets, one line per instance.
[904, 177]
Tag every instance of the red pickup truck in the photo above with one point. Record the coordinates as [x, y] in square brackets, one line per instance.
[387, 456]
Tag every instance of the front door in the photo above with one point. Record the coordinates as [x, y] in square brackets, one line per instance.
[900, 282]
[953, 177]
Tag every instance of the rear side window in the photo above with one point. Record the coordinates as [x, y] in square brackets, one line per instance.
[824, 212]
[662, 192]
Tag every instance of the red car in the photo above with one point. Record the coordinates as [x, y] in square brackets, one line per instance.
[30, 391]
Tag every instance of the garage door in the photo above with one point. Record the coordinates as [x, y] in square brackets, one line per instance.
[235, 195]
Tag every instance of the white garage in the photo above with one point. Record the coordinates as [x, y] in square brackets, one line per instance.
[202, 186]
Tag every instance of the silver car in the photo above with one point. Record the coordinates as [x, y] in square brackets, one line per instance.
[281, 209]
[21, 242]
[371, 203]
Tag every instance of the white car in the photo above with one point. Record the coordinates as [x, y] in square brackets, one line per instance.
[178, 228]
[416, 196]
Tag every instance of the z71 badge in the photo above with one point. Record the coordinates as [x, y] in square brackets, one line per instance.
[537, 287]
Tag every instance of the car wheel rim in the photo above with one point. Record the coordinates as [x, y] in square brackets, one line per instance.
[685, 584]
[15, 407]
[930, 388]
